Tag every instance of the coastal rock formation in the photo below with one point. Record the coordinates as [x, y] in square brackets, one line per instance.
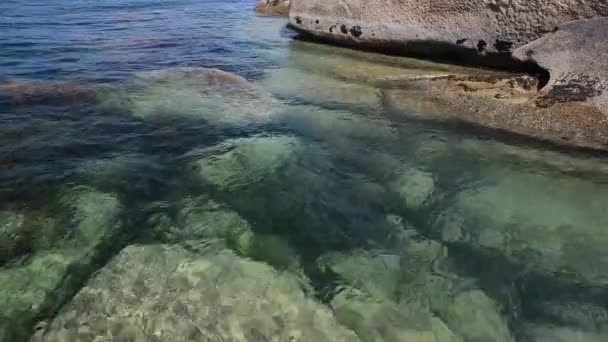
[165, 293]
[487, 26]
[273, 7]
[576, 56]
[562, 43]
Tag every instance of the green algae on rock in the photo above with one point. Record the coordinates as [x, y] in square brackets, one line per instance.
[162, 292]
[39, 284]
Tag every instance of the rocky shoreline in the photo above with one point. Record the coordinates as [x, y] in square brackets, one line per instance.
[563, 45]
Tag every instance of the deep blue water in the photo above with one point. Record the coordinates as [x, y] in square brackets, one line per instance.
[303, 149]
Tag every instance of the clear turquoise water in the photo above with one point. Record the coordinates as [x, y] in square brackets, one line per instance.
[332, 184]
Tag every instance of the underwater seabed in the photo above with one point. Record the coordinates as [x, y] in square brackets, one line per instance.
[293, 209]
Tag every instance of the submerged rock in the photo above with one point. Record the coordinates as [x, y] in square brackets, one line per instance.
[244, 161]
[415, 187]
[476, 317]
[211, 95]
[273, 7]
[376, 273]
[39, 284]
[382, 321]
[199, 223]
[12, 239]
[310, 88]
[373, 69]
[167, 293]
[549, 226]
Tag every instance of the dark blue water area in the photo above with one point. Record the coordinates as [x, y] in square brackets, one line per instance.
[109, 40]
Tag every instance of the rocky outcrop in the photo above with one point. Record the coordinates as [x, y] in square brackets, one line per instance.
[554, 40]
[576, 56]
[273, 7]
[490, 26]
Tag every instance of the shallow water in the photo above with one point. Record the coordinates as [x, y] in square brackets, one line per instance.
[296, 163]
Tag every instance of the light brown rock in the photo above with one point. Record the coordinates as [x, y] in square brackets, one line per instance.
[273, 7]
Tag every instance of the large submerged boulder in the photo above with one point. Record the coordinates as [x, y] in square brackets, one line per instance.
[165, 293]
[190, 93]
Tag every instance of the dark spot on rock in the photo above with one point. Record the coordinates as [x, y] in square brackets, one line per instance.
[461, 41]
[343, 29]
[298, 20]
[494, 7]
[317, 21]
[356, 31]
[572, 87]
[503, 45]
[481, 46]
[530, 53]
[555, 29]
[331, 29]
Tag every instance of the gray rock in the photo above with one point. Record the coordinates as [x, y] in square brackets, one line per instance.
[576, 56]
[484, 26]
[165, 293]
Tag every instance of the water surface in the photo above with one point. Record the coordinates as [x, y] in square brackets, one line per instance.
[289, 157]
